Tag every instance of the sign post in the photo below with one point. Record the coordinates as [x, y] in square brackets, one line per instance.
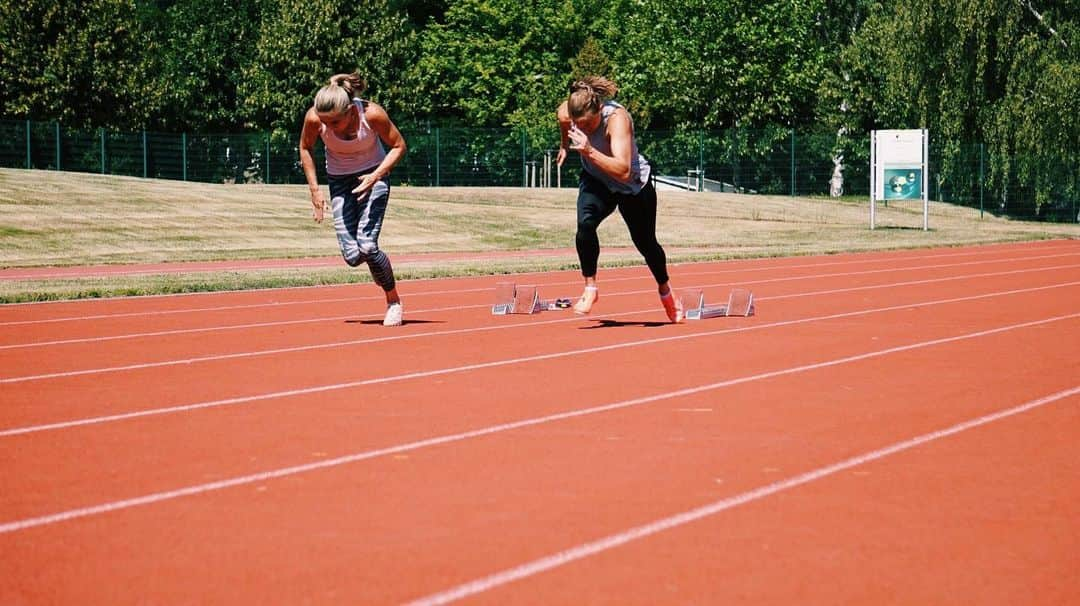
[899, 168]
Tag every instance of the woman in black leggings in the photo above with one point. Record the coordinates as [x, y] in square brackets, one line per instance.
[614, 176]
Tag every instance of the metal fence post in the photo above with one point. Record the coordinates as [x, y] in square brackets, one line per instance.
[733, 136]
[701, 161]
[101, 132]
[437, 158]
[793, 163]
[57, 145]
[1074, 217]
[183, 153]
[982, 178]
[268, 158]
[524, 166]
[145, 162]
[29, 163]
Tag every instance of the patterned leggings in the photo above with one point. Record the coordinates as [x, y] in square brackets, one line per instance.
[358, 221]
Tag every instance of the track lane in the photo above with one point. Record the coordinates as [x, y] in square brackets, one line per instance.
[52, 363]
[228, 334]
[321, 557]
[979, 516]
[74, 313]
[282, 431]
[427, 517]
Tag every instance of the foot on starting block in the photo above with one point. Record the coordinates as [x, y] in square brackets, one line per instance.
[513, 299]
[740, 303]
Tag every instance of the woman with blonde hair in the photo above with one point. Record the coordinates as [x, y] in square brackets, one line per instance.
[614, 175]
[357, 135]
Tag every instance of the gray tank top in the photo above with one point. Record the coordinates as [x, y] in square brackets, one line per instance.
[639, 166]
[348, 156]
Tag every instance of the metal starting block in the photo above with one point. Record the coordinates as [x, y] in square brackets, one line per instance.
[740, 303]
[513, 299]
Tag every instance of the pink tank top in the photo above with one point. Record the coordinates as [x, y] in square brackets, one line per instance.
[348, 156]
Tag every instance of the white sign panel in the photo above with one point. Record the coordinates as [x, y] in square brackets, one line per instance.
[898, 168]
[901, 146]
[898, 152]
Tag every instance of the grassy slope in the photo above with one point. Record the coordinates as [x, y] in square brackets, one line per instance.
[54, 218]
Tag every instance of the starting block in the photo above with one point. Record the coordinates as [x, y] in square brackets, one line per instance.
[740, 303]
[511, 298]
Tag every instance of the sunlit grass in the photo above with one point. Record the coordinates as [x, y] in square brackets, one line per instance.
[70, 219]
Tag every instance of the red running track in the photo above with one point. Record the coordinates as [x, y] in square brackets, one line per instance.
[889, 428]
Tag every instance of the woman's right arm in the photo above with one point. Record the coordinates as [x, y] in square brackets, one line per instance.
[308, 136]
[563, 114]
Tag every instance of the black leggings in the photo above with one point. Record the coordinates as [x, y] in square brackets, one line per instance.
[595, 202]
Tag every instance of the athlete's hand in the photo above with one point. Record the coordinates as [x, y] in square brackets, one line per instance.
[318, 205]
[560, 157]
[366, 182]
[578, 140]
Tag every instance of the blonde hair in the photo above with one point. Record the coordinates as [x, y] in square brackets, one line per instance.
[339, 93]
[588, 94]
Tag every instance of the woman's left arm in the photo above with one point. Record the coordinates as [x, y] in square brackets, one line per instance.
[380, 122]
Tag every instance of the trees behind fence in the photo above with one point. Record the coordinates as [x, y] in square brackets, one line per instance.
[774, 161]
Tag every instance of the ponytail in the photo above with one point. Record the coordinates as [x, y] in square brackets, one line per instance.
[339, 93]
[588, 93]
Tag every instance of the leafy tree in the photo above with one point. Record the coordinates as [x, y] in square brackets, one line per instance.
[712, 63]
[497, 62]
[200, 70]
[1033, 131]
[1002, 72]
[80, 62]
[25, 29]
[591, 60]
[969, 70]
[303, 42]
[421, 12]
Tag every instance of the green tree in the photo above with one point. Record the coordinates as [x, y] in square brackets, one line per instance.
[591, 60]
[1033, 131]
[991, 71]
[25, 29]
[79, 62]
[712, 63]
[421, 12]
[303, 42]
[497, 62]
[199, 72]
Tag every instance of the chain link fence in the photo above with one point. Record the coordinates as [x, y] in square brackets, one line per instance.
[775, 161]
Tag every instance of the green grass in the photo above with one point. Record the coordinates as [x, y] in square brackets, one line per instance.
[54, 218]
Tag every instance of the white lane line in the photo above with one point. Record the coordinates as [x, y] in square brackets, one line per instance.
[623, 293]
[299, 348]
[458, 437]
[497, 363]
[166, 312]
[612, 541]
[495, 278]
[436, 333]
[181, 331]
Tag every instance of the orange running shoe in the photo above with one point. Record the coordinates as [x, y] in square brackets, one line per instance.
[673, 307]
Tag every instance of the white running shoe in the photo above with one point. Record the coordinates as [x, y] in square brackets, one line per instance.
[393, 315]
